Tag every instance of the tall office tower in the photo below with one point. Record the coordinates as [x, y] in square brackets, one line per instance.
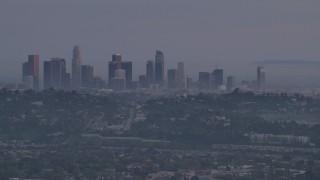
[231, 81]
[117, 63]
[118, 83]
[189, 83]
[150, 72]
[32, 69]
[87, 74]
[47, 74]
[160, 76]
[127, 66]
[182, 79]
[261, 77]
[112, 67]
[76, 68]
[217, 78]
[58, 73]
[172, 78]
[204, 80]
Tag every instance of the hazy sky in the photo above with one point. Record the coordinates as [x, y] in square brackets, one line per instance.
[202, 33]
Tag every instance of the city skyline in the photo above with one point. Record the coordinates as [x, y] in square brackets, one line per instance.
[276, 65]
[223, 77]
[56, 75]
[127, 65]
[205, 34]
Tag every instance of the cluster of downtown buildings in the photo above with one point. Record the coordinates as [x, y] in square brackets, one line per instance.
[157, 77]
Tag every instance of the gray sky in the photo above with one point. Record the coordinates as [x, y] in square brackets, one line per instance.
[203, 33]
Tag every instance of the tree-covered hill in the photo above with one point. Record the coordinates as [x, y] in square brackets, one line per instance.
[37, 115]
[192, 119]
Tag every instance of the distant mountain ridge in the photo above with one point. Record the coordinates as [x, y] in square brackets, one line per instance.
[293, 62]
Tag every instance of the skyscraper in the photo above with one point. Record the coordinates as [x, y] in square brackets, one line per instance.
[58, 72]
[87, 75]
[172, 78]
[112, 67]
[76, 68]
[261, 77]
[34, 70]
[47, 74]
[118, 83]
[31, 68]
[230, 83]
[150, 72]
[217, 78]
[204, 80]
[182, 79]
[117, 63]
[127, 66]
[160, 68]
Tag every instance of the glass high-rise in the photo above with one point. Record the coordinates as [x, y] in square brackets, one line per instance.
[150, 72]
[217, 78]
[160, 68]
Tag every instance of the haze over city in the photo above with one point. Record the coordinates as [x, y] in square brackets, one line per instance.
[232, 35]
[159, 89]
